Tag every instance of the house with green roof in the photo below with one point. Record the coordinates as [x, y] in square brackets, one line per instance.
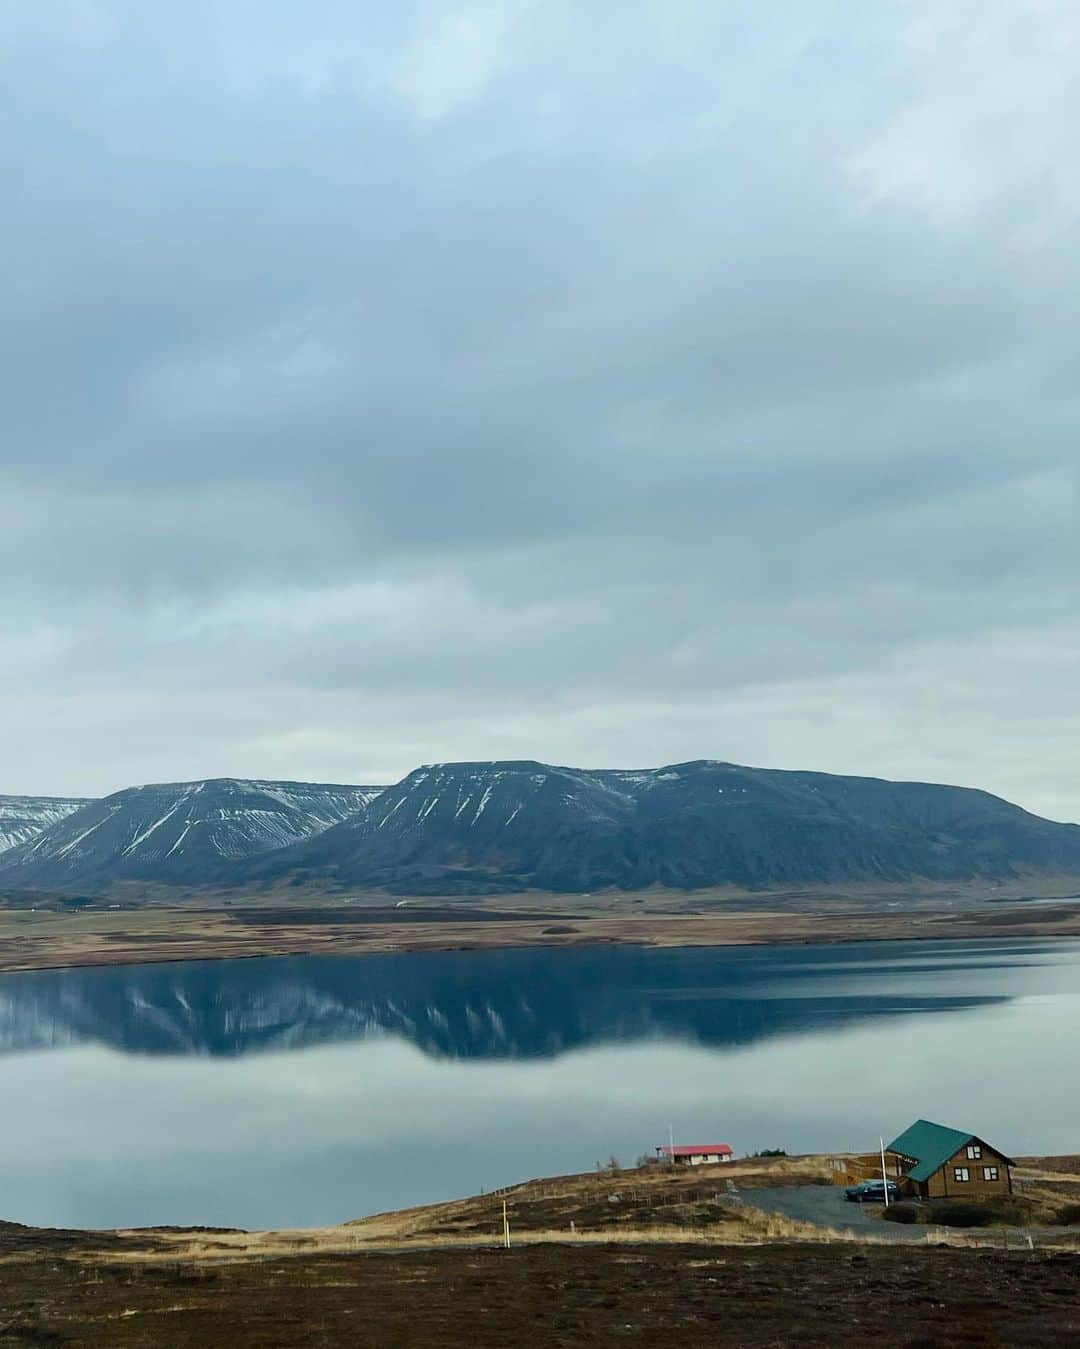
[936, 1162]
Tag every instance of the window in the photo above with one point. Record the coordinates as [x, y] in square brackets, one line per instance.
[990, 1173]
[974, 1152]
[961, 1173]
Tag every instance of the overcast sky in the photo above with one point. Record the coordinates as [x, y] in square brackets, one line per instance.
[609, 384]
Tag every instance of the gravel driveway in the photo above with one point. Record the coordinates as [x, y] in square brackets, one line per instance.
[826, 1206]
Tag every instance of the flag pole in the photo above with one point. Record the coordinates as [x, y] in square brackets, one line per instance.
[884, 1174]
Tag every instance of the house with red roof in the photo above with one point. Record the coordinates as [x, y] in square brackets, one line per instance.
[695, 1154]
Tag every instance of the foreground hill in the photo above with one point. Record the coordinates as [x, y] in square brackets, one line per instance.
[646, 1257]
[180, 832]
[23, 817]
[486, 828]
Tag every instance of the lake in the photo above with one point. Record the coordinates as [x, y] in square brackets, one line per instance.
[307, 1090]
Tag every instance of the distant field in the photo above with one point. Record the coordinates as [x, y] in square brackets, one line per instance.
[50, 937]
[395, 913]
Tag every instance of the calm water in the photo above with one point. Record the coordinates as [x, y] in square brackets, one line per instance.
[307, 1090]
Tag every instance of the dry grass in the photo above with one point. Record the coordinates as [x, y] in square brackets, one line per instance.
[675, 1259]
[550, 1296]
[655, 1205]
[49, 939]
[649, 1206]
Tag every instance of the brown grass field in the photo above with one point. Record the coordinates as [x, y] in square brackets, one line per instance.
[51, 936]
[675, 1260]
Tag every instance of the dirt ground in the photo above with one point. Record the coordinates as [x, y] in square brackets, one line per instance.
[50, 938]
[553, 1295]
[655, 1256]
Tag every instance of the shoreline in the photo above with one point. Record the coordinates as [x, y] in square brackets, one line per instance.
[32, 940]
[453, 1222]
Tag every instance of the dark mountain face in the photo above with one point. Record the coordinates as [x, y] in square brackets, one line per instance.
[488, 828]
[485, 828]
[22, 817]
[474, 829]
[184, 833]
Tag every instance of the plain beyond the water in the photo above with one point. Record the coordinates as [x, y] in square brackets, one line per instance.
[308, 1090]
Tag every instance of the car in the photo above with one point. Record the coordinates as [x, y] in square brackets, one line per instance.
[871, 1192]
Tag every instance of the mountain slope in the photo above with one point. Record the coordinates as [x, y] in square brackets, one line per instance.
[482, 828]
[180, 832]
[22, 817]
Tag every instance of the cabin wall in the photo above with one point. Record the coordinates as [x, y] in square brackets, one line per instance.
[944, 1185]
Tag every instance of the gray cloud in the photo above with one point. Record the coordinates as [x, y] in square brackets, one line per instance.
[469, 380]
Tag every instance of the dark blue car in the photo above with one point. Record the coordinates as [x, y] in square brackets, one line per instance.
[870, 1192]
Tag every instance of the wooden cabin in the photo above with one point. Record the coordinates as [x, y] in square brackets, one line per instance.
[934, 1162]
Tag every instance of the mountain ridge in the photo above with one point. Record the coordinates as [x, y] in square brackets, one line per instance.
[481, 827]
[23, 817]
[179, 832]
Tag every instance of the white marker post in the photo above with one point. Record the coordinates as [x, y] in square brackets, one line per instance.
[884, 1174]
[506, 1227]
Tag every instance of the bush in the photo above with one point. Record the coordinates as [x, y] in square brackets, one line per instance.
[770, 1152]
[1069, 1216]
[959, 1215]
[1013, 1210]
[901, 1213]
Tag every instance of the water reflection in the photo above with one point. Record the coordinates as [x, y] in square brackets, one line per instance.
[510, 1004]
[291, 1092]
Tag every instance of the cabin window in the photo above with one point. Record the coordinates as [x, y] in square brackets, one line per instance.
[961, 1173]
[974, 1152]
[990, 1173]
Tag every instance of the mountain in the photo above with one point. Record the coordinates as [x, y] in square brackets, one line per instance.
[21, 817]
[489, 828]
[485, 828]
[178, 832]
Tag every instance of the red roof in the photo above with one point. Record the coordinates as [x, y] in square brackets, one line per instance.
[697, 1149]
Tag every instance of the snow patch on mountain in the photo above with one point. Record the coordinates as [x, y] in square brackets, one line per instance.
[24, 817]
[180, 831]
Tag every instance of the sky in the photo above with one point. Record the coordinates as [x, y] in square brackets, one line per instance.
[610, 384]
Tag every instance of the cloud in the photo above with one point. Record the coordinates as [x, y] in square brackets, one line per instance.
[613, 386]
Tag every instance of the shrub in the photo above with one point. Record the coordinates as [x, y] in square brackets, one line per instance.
[1069, 1216]
[770, 1152]
[901, 1213]
[959, 1215]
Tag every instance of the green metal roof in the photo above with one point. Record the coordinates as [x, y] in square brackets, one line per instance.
[930, 1144]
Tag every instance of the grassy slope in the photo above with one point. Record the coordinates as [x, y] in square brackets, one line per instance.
[675, 1260]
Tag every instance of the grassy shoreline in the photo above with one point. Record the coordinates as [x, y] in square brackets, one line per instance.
[47, 939]
[676, 1258]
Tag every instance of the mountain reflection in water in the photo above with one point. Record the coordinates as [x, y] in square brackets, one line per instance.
[296, 1091]
[521, 1004]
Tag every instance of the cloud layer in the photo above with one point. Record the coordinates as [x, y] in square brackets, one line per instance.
[609, 384]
